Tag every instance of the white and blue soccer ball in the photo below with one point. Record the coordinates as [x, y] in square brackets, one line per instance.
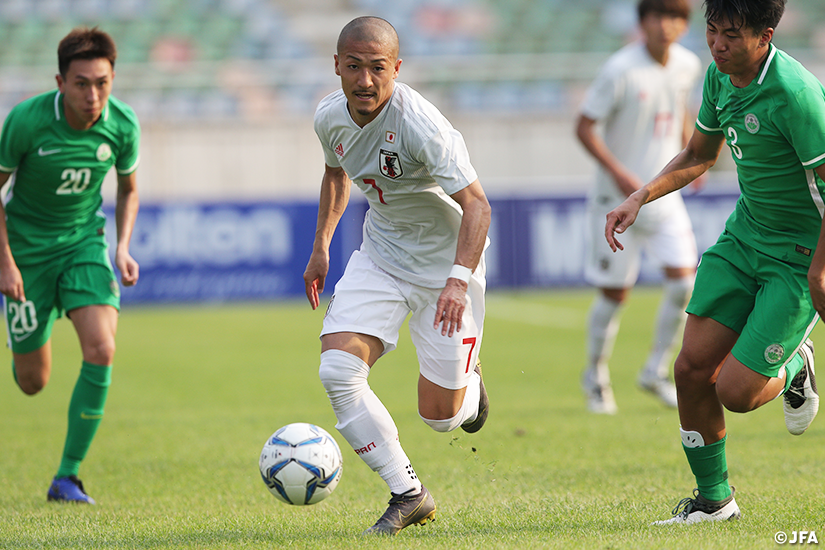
[301, 464]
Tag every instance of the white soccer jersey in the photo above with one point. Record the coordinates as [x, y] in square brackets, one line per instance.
[642, 105]
[407, 162]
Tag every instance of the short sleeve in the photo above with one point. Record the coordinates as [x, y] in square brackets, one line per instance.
[803, 122]
[129, 157]
[446, 158]
[13, 143]
[707, 121]
[602, 95]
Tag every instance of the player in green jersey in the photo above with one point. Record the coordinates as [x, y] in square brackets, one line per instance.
[761, 288]
[53, 254]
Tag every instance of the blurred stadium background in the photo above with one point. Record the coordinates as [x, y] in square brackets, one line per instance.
[225, 91]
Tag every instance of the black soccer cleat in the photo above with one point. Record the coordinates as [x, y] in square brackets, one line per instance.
[404, 510]
[472, 426]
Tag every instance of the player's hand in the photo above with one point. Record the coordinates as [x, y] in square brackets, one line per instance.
[315, 276]
[128, 267]
[619, 219]
[11, 283]
[450, 307]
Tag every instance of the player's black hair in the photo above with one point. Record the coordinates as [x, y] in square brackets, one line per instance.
[85, 43]
[676, 8]
[756, 15]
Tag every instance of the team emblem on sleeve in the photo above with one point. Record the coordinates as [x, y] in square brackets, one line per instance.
[390, 164]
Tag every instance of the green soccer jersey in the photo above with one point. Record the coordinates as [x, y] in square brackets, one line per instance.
[54, 203]
[775, 128]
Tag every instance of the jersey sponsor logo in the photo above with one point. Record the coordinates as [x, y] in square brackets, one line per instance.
[44, 153]
[751, 123]
[339, 150]
[104, 152]
[390, 137]
[774, 353]
[390, 164]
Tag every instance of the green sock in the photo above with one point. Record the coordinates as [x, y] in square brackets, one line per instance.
[710, 467]
[792, 368]
[85, 414]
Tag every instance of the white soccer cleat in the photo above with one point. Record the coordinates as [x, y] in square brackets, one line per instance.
[694, 510]
[802, 397]
[659, 386]
[600, 398]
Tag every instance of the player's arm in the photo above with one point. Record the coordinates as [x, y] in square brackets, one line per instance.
[335, 188]
[126, 209]
[625, 180]
[700, 154]
[816, 273]
[472, 235]
[11, 282]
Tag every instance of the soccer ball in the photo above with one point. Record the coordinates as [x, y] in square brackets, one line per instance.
[301, 464]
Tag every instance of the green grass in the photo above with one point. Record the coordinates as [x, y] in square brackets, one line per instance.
[197, 390]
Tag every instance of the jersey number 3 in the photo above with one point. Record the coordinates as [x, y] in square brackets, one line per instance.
[74, 181]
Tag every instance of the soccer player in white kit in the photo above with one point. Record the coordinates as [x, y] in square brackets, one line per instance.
[641, 96]
[422, 255]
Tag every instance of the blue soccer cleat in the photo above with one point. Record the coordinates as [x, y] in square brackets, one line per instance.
[68, 489]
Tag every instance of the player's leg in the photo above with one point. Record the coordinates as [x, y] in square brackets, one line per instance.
[706, 346]
[89, 292]
[29, 327]
[602, 327]
[451, 391]
[670, 321]
[717, 313]
[671, 241]
[613, 274]
[361, 324]
[32, 370]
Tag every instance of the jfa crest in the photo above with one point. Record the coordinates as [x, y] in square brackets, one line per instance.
[390, 164]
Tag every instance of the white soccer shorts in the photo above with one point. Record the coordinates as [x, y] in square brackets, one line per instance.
[666, 238]
[368, 300]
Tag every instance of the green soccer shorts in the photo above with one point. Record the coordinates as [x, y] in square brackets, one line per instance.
[765, 300]
[82, 278]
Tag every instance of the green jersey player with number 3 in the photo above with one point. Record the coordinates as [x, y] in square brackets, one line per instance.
[761, 288]
[53, 253]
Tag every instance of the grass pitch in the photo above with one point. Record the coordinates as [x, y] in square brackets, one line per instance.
[196, 391]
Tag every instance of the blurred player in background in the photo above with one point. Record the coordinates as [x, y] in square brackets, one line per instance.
[640, 96]
[424, 240]
[53, 253]
[761, 288]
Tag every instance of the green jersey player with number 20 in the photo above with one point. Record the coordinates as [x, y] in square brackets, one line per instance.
[53, 253]
[761, 288]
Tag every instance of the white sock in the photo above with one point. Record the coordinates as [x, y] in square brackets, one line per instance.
[364, 421]
[467, 412]
[602, 327]
[670, 321]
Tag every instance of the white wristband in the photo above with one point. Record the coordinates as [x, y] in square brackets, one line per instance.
[460, 272]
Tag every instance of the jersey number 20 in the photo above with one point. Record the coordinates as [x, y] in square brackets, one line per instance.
[74, 181]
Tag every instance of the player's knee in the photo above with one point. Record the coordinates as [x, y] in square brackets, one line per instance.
[445, 425]
[100, 353]
[341, 372]
[735, 399]
[687, 373]
[678, 290]
[31, 384]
